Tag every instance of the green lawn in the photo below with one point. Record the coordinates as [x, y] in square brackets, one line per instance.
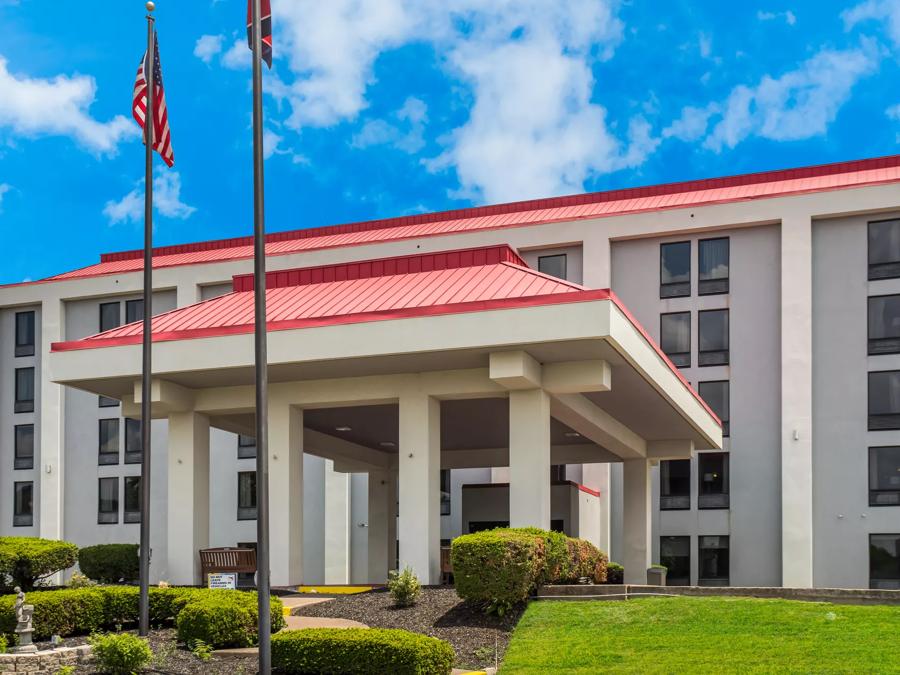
[704, 635]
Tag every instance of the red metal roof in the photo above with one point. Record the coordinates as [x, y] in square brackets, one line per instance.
[576, 207]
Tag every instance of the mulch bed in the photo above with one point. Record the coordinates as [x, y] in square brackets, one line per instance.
[439, 612]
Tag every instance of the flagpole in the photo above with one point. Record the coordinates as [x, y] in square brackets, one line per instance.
[262, 380]
[149, 122]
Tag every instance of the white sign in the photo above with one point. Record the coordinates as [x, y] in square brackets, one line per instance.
[227, 581]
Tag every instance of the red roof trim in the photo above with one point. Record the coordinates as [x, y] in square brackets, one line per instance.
[890, 161]
[381, 267]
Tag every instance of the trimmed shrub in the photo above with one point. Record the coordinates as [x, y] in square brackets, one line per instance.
[360, 650]
[121, 653]
[110, 563]
[615, 573]
[558, 558]
[497, 568]
[586, 560]
[404, 587]
[225, 621]
[25, 561]
[3, 644]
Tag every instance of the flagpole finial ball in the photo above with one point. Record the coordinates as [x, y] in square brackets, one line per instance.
[151, 6]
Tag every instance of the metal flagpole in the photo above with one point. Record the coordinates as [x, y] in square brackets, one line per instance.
[262, 379]
[149, 123]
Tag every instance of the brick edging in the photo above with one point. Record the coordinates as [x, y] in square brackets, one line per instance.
[46, 662]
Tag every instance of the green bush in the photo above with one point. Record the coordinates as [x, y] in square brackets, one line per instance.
[404, 587]
[557, 559]
[24, 561]
[360, 650]
[120, 653]
[3, 644]
[615, 573]
[586, 560]
[497, 568]
[225, 620]
[110, 563]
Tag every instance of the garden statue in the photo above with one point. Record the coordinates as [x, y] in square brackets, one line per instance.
[23, 628]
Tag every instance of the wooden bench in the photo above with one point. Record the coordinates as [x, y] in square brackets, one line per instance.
[218, 560]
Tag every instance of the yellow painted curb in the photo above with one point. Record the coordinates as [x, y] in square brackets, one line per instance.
[334, 590]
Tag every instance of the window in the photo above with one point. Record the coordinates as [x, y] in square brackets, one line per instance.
[134, 311]
[884, 476]
[24, 447]
[675, 269]
[884, 324]
[108, 443]
[106, 402]
[557, 473]
[712, 468]
[884, 249]
[24, 390]
[675, 556]
[23, 504]
[132, 499]
[713, 263]
[108, 501]
[675, 484]
[554, 265]
[884, 400]
[713, 561]
[246, 447]
[110, 316]
[445, 492]
[675, 337]
[24, 333]
[716, 396]
[884, 561]
[712, 345]
[133, 441]
[247, 495]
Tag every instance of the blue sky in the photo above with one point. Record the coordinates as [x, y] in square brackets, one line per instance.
[379, 108]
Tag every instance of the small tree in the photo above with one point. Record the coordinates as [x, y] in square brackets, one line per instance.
[26, 561]
[404, 587]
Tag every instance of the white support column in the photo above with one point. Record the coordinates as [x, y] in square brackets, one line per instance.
[188, 490]
[419, 485]
[286, 494]
[796, 403]
[529, 458]
[597, 477]
[636, 526]
[378, 517]
[51, 469]
[393, 516]
[187, 293]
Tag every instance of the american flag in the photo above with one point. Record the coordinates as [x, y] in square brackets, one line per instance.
[265, 20]
[162, 137]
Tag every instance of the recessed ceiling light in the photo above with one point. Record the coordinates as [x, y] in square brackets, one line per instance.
[388, 444]
[343, 428]
[573, 434]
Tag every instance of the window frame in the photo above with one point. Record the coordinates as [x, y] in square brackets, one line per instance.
[701, 579]
[715, 285]
[667, 500]
[118, 306]
[133, 456]
[22, 462]
[674, 357]
[662, 559]
[714, 501]
[22, 518]
[446, 503]
[874, 491]
[132, 303]
[106, 402]
[892, 267]
[242, 452]
[893, 425]
[107, 517]
[108, 457]
[25, 348]
[892, 349]
[554, 256]
[713, 356]
[896, 584]
[726, 420]
[131, 516]
[244, 512]
[674, 289]
[23, 405]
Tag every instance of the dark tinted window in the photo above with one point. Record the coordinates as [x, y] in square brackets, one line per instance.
[246, 447]
[24, 446]
[712, 344]
[716, 396]
[108, 501]
[110, 316]
[675, 484]
[554, 265]
[714, 563]
[884, 561]
[25, 334]
[675, 269]
[134, 311]
[247, 495]
[445, 492]
[24, 390]
[106, 402]
[884, 400]
[884, 249]
[133, 441]
[23, 504]
[713, 266]
[884, 476]
[712, 469]
[132, 499]
[675, 556]
[109, 441]
[884, 324]
[675, 337]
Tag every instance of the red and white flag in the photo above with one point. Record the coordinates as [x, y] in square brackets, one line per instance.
[265, 20]
[162, 137]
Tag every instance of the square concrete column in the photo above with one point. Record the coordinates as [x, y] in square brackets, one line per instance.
[286, 494]
[393, 518]
[419, 485]
[188, 490]
[636, 520]
[529, 458]
[379, 514]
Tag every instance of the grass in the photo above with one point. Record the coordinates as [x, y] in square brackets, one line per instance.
[704, 635]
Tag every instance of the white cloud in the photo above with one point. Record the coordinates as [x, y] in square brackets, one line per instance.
[166, 201]
[4, 188]
[59, 106]
[271, 141]
[887, 11]
[208, 46]
[788, 16]
[797, 105]
[692, 124]
[705, 44]
[407, 134]
[237, 56]
[893, 112]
